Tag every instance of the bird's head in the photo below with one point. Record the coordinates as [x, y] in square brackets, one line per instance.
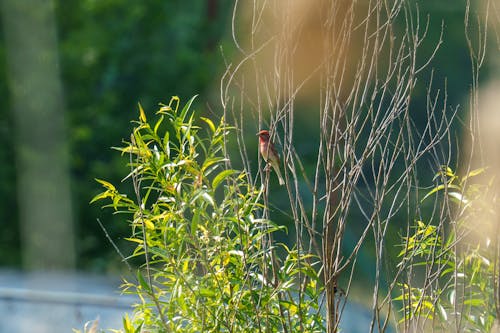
[263, 134]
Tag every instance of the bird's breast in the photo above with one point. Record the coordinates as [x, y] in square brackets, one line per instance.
[264, 149]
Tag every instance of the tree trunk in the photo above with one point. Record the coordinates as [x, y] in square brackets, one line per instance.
[43, 183]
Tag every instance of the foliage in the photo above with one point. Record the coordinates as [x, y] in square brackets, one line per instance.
[113, 54]
[209, 262]
[459, 270]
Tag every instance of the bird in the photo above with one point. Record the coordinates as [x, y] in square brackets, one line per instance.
[269, 153]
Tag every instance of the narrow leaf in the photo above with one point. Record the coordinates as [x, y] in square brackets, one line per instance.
[142, 282]
[474, 173]
[142, 115]
[221, 177]
[439, 188]
[186, 107]
[106, 184]
[210, 123]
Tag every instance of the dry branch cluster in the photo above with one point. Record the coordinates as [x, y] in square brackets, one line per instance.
[350, 68]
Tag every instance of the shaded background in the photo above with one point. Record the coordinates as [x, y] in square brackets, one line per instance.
[109, 55]
[72, 79]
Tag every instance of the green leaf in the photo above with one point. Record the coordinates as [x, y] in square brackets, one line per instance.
[135, 240]
[142, 115]
[139, 328]
[445, 171]
[194, 221]
[221, 177]
[210, 123]
[166, 144]
[475, 302]
[204, 196]
[442, 312]
[142, 282]
[186, 107]
[172, 100]
[101, 196]
[473, 173]
[439, 188]
[127, 324]
[211, 161]
[290, 306]
[459, 197]
[159, 252]
[148, 224]
[208, 198]
[106, 184]
[205, 292]
[157, 125]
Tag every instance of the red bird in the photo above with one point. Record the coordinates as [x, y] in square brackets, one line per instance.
[269, 153]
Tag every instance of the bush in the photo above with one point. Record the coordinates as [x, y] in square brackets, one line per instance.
[209, 263]
[450, 279]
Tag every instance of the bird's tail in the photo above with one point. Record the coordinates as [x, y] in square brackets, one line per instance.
[278, 173]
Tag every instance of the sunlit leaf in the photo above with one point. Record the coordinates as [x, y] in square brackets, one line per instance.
[205, 292]
[439, 188]
[176, 100]
[186, 107]
[101, 196]
[210, 123]
[208, 198]
[474, 173]
[148, 224]
[477, 302]
[157, 125]
[135, 240]
[290, 306]
[127, 324]
[459, 197]
[142, 115]
[106, 184]
[442, 312]
[236, 253]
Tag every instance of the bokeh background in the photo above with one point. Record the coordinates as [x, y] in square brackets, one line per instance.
[73, 73]
[101, 58]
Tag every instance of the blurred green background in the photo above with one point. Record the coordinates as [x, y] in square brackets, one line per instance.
[113, 54]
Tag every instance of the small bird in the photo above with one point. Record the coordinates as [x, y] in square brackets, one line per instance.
[269, 153]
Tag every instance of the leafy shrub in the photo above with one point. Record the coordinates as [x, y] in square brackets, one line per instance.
[451, 266]
[209, 262]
